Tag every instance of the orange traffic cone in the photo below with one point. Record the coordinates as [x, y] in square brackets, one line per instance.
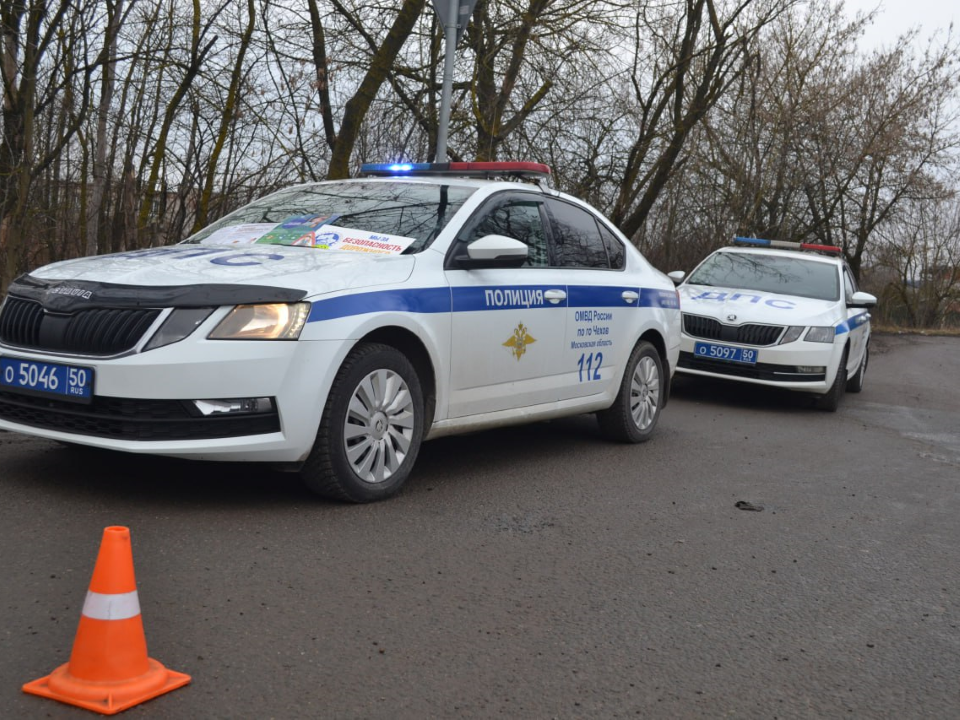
[109, 670]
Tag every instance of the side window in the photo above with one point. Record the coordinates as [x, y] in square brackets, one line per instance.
[614, 248]
[576, 237]
[849, 287]
[519, 219]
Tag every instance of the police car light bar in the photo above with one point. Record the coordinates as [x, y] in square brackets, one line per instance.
[461, 169]
[759, 242]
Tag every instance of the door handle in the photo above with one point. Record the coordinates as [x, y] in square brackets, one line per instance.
[630, 296]
[555, 296]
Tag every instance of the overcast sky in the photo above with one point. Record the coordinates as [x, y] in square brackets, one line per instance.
[897, 16]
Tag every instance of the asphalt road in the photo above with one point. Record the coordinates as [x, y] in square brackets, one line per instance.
[533, 572]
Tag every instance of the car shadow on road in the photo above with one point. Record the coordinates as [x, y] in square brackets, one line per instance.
[77, 471]
[490, 457]
[507, 455]
[741, 395]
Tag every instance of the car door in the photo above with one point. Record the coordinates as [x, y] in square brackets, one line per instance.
[857, 321]
[508, 324]
[602, 307]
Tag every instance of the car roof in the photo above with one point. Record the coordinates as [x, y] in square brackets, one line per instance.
[438, 180]
[459, 180]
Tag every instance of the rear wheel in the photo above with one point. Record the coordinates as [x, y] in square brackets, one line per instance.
[831, 400]
[633, 416]
[855, 384]
[371, 428]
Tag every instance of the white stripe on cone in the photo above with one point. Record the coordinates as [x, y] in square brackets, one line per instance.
[118, 606]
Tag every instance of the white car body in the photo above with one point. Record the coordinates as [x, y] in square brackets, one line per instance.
[493, 346]
[741, 334]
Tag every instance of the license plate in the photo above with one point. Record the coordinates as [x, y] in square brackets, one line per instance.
[64, 382]
[747, 356]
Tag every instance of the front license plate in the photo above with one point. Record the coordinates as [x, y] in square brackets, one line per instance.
[747, 356]
[64, 382]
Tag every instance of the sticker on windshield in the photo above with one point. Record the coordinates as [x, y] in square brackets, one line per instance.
[332, 237]
[297, 230]
[238, 234]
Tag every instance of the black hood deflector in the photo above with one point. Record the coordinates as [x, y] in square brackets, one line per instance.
[67, 296]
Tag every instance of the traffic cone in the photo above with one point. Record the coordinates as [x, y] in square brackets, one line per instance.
[109, 670]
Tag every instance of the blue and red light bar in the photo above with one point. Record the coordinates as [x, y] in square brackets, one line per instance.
[461, 169]
[787, 245]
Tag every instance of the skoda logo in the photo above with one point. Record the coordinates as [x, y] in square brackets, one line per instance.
[70, 292]
[731, 317]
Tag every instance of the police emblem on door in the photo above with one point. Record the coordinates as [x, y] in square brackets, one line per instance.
[519, 341]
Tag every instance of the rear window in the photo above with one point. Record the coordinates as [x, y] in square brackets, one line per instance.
[402, 209]
[770, 274]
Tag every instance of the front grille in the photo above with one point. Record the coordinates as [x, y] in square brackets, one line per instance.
[20, 322]
[712, 329]
[759, 371]
[702, 327]
[98, 331]
[131, 419]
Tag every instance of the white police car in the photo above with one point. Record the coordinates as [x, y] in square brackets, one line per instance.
[776, 313]
[331, 327]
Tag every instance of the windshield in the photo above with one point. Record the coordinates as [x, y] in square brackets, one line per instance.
[381, 216]
[769, 273]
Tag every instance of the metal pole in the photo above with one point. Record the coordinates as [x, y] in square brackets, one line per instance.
[450, 49]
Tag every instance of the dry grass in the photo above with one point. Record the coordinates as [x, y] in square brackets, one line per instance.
[931, 332]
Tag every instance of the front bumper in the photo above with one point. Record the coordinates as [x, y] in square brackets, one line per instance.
[143, 402]
[784, 366]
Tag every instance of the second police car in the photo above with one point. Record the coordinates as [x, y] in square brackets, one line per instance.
[776, 313]
[331, 327]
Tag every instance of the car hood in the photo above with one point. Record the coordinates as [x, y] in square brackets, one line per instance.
[733, 306]
[198, 272]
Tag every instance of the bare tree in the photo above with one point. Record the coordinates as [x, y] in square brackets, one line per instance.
[384, 54]
[98, 181]
[27, 32]
[821, 142]
[128, 123]
[920, 250]
[200, 46]
[685, 61]
[888, 146]
[229, 109]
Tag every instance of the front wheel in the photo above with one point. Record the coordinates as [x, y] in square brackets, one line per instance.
[831, 400]
[371, 428]
[855, 384]
[633, 416]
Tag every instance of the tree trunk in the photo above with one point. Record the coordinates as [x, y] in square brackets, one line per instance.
[357, 106]
[226, 119]
[98, 185]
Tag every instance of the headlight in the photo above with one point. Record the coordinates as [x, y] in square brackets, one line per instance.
[821, 334]
[792, 334]
[277, 321]
[180, 323]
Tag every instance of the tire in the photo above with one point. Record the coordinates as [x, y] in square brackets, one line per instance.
[831, 400]
[371, 428]
[855, 384]
[633, 416]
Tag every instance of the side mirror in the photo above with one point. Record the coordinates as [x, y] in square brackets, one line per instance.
[862, 299]
[493, 251]
[677, 276]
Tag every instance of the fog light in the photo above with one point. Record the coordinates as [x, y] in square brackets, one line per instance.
[812, 369]
[237, 406]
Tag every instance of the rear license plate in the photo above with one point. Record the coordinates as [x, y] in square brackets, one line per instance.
[64, 382]
[747, 356]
